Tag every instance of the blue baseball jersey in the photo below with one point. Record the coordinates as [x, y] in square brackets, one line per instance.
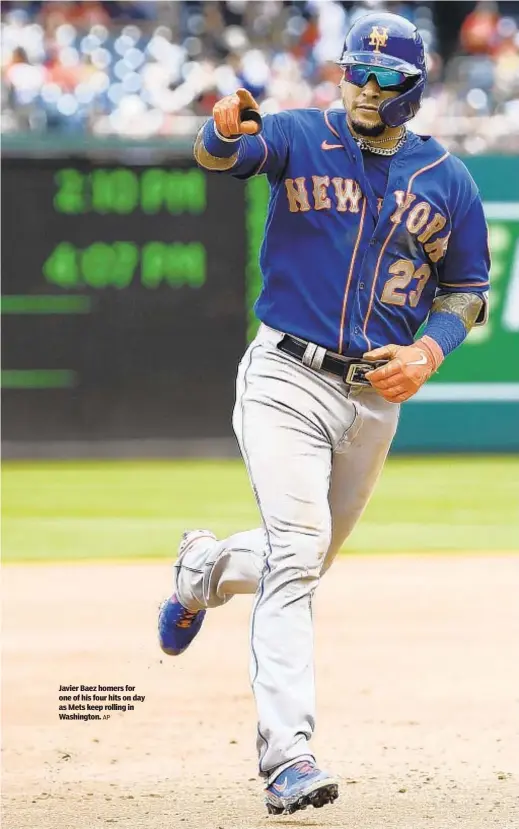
[343, 265]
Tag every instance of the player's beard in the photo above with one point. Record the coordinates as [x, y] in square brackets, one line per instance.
[368, 130]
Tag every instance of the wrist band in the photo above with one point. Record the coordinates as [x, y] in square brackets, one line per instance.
[217, 144]
[447, 330]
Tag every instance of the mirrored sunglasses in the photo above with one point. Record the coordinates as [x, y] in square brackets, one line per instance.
[359, 74]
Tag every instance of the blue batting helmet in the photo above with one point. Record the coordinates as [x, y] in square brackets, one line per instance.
[393, 42]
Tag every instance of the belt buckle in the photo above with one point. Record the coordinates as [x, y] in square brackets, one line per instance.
[356, 373]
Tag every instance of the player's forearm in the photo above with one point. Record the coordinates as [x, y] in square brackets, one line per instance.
[452, 317]
[213, 151]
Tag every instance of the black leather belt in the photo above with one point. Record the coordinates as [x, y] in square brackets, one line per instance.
[351, 369]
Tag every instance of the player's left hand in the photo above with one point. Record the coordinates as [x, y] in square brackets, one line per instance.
[409, 367]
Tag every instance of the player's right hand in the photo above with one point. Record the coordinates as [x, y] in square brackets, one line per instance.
[226, 114]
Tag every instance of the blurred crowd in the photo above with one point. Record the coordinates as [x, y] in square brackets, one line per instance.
[142, 69]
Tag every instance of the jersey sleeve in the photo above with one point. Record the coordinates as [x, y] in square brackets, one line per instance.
[466, 265]
[248, 156]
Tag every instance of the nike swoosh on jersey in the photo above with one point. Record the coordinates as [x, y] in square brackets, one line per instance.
[326, 146]
[421, 362]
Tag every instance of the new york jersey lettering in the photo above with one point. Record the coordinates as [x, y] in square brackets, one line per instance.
[313, 194]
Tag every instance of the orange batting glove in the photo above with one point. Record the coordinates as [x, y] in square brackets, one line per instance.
[409, 367]
[226, 114]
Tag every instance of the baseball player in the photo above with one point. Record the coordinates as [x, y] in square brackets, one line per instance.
[372, 231]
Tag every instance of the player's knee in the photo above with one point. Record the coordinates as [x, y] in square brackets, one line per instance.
[302, 553]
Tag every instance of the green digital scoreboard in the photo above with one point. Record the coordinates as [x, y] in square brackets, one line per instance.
[122, 299]
[123, 192]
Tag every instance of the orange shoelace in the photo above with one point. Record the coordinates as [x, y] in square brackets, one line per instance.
[187, 618]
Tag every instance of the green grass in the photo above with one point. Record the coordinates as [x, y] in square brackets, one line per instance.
[120, 509]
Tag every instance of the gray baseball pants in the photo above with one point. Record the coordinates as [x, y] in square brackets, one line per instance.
[314, 448]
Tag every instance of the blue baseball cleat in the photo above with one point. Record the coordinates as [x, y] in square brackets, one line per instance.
[177, 625]
[299, 786]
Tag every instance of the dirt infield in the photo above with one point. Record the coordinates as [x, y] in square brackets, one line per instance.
[417, 683]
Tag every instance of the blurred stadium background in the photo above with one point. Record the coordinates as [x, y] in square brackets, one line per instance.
[129, 275]
[143, 69]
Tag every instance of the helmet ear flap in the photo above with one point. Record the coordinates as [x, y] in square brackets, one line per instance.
[396, 111]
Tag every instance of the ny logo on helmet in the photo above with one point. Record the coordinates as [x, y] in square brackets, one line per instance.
[378, 37]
